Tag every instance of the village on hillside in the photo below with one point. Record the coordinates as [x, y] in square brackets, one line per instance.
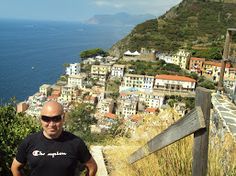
[115, 92]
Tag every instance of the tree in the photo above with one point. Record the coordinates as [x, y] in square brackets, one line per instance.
[209, 53]
[96, 62]
[207, 84]
[215, 53]
[63, 78]
[114, 95]
[80, 120]
[92, 53]
[66, 65]
[85, 68]
[172, 67]
[13, 129]
[193, 75]
[189, 102]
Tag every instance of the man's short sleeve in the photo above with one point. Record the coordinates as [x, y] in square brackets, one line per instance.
[21, 155]
[84, 154]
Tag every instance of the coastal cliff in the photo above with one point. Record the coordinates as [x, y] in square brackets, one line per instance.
[192, 23]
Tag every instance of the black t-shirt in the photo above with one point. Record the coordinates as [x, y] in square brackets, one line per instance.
[52, 157]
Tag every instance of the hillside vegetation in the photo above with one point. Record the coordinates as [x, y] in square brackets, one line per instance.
[191, 24]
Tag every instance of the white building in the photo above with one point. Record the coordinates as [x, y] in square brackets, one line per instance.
[117, 70]
[35, 103]
[181, 58]
[100, 72]
[152, 99]
[216, 69]
[167, 58]
[45, 89]
[127, 108]
[34, 111]
[69, 93]
[73, 69]
[137, 82]
[174, 83]
[77, 80]
[105, 106]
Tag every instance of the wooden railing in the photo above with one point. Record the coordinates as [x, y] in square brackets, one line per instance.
[195, 122]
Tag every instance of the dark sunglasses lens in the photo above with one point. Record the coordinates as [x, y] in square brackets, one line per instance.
[57, 118]
[53, 119]
[45, 118]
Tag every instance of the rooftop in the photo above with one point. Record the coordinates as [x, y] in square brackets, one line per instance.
[175, 78]
[136, 118]
[138, 76]
[56, 92]
[136, 53]
[45, 86]
[151, 110]
[216, 64]
[79, 76]
[119, 65]
[101, 66]
[110, 115]
[196, 58]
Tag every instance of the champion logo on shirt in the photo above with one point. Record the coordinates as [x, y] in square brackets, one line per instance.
[40, 153]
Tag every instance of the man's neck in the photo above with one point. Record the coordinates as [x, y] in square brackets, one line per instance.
[52, 136]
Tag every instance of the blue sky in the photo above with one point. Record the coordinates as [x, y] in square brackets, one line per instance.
[79, 10]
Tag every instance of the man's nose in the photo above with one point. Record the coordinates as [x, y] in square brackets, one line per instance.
[51, 123]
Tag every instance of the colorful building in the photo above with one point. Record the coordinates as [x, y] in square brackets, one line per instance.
[181, 58]
[73, 69]
[174, 83]
[196, 64]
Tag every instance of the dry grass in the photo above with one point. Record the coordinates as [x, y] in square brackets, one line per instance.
[222, 156]
[173, 160]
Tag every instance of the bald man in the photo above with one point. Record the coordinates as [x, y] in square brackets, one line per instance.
[53, 151]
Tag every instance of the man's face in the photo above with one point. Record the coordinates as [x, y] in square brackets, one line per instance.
[52, 124]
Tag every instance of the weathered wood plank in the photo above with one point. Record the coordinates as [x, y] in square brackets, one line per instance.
[201, 137]
[187, 125]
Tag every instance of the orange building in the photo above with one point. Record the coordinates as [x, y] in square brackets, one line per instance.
[196, 64]
[21, 107]
[151, 110]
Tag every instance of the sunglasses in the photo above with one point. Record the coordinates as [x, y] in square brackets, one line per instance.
[57, 118]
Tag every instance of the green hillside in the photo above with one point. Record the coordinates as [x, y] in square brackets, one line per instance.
[192, 23]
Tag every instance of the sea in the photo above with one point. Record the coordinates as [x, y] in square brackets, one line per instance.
[33, 53]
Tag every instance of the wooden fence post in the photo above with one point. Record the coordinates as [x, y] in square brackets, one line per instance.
[201, 137]
[189, 124]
